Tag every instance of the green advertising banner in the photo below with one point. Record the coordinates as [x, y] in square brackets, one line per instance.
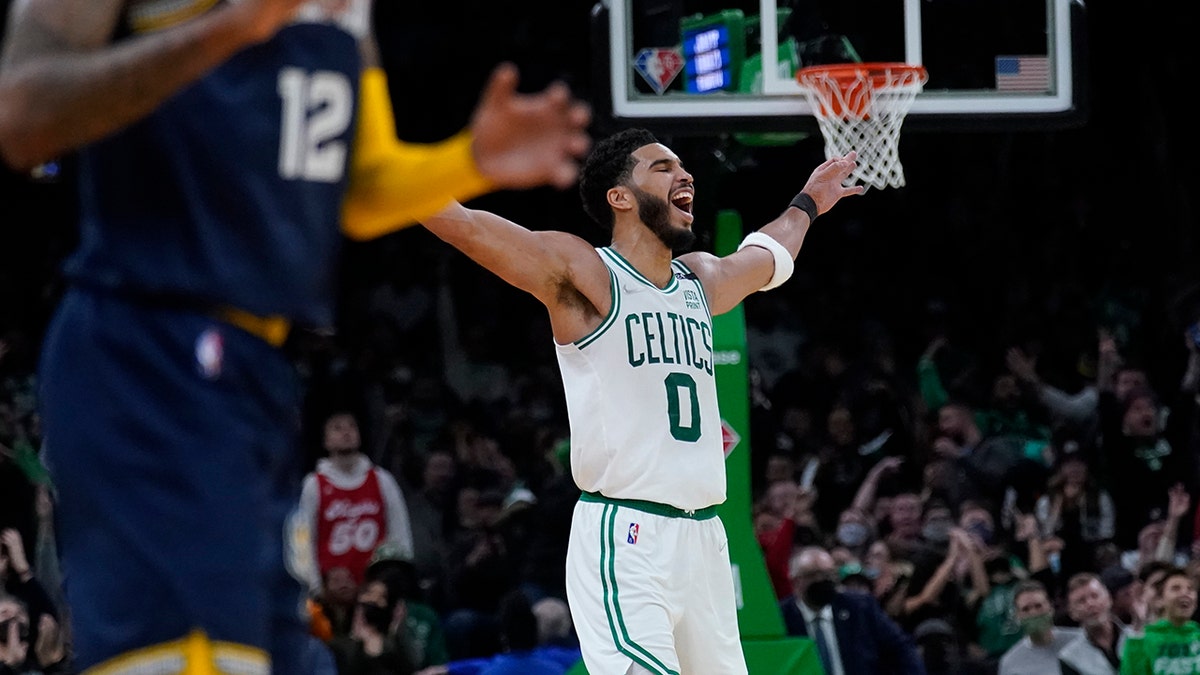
[768, 651]
[758, 616]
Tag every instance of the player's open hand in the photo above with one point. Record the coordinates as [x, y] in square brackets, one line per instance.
[825, 184]
[529, 140]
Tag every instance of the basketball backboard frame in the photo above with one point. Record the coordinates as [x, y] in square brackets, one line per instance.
[780, 107]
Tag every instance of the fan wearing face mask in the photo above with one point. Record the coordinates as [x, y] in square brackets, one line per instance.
[1037, 652]
[367, 650]
[851, 633]
[854, 531]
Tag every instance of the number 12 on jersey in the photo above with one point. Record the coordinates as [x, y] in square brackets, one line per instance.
[317, 108]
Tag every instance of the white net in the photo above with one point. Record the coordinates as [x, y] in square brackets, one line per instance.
[861, 107]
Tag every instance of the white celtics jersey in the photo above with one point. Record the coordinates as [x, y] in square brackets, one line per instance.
[641, 394]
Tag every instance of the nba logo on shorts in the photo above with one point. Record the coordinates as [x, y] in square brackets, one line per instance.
[210, 353]
[633, 533]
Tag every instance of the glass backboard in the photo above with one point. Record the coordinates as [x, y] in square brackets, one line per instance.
[704, 66]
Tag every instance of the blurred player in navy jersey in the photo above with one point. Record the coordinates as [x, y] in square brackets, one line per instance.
[224, 148]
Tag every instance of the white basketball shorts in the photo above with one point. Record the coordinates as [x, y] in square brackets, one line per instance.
[652, 585]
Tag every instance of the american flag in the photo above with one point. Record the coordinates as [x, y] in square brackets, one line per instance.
[1023, 73]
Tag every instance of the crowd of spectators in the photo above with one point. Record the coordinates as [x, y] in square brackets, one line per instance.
[941, 483]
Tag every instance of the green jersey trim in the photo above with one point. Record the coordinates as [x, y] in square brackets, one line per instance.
[610, 319]
[624, 264]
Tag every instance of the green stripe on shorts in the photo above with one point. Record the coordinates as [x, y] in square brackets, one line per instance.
[612, 606]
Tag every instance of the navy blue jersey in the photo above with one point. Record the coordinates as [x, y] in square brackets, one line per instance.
[230, 192]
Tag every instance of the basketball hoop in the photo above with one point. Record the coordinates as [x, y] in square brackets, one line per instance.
[860, 106]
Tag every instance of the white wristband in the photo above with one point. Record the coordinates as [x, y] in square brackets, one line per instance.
[784, 264]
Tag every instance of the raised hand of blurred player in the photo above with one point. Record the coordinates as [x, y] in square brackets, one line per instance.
[527, 140]
[825, 184]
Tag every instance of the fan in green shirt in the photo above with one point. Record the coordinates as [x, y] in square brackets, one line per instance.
[1170, 646]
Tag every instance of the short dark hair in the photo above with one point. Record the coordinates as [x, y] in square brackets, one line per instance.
[1152, 567]
[399, 576]
[1028, 586]
[1170, 573]
[609, 165]
[1081, 579]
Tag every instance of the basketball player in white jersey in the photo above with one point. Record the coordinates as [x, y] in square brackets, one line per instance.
[648, 573]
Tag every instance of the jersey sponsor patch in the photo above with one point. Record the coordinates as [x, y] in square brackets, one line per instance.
[632, 537]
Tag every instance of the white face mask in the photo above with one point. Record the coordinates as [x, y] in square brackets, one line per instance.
[852, 534]
[937, 532]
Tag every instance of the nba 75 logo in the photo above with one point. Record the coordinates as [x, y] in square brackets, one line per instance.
[691, 298]
[633, 533]
[658, 66]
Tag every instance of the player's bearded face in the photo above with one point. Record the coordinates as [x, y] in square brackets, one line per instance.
[655, 212]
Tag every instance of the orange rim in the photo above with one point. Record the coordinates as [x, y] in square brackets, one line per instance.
[849, 77]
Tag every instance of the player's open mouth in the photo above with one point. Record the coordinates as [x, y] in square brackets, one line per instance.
[682, 200]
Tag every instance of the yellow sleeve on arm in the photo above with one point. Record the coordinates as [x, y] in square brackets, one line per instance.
[395, 184]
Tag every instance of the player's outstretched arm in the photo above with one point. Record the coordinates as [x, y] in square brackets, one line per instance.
[63, 85]
[535, 262]
[514, 141]
[765, 258]
[561, 270]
